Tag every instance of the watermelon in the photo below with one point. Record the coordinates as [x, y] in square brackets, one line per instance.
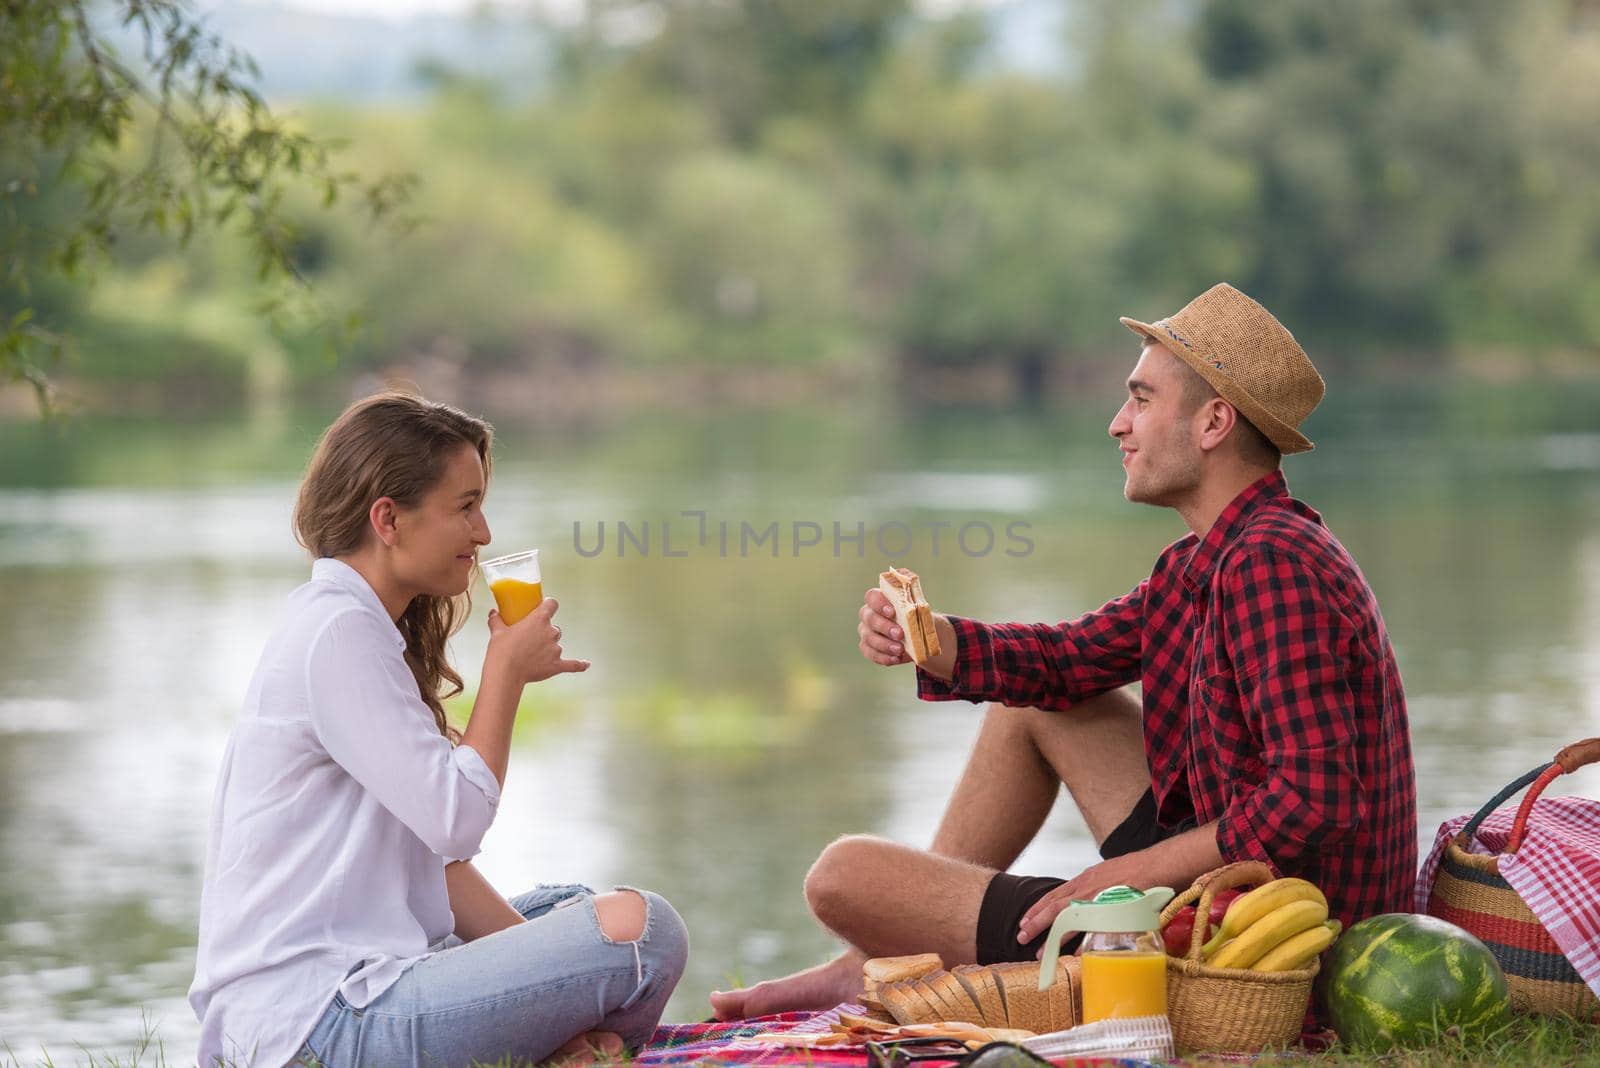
[1407, 980]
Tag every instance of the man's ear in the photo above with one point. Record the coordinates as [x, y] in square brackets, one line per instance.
[1219, 419]
[383, 517]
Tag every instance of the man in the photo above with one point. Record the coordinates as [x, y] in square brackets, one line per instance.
[1272, 724]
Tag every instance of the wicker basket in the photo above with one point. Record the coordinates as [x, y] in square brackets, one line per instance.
[1469, 892]
[1230, 1010]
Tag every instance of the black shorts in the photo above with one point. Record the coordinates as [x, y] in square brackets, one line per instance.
[1009, 897]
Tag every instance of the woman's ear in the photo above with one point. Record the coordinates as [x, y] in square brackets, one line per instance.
[383, 516]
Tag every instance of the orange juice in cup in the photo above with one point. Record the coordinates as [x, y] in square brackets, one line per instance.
[515, 582]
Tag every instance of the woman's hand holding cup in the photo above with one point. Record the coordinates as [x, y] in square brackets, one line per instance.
[531, 647]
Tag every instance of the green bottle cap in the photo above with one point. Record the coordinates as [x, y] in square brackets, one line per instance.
[1114, 909]
[1113, 894]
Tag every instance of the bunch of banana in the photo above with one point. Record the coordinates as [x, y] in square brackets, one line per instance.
[1277, 927]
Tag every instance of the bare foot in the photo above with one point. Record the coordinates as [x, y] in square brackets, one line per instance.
[587, 1048]
[819, 988]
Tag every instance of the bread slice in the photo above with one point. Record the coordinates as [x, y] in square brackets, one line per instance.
[897, 1003]
[930, 996]
[1027, 1006]
[870, 1001]
[896, 969]
[904, 590]
[907, 1004]
[979, 985]
[1063, 996]
[1000, 992]
[933, 1005]
[934, 995]
[1012, 1034]
[958, 1002]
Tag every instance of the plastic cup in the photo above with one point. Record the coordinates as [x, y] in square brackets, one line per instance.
[515, 582]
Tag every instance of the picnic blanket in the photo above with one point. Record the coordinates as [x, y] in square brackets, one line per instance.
[735, 1043]
[714, 1044]
[1556, 872]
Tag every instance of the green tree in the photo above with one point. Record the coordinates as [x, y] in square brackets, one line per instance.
[1422, 169]
[746, 61]
[94, 145]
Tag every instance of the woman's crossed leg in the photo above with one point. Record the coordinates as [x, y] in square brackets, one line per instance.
[581, 965]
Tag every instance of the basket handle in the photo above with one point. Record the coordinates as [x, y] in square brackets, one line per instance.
[1570, 759]
[1239, 873]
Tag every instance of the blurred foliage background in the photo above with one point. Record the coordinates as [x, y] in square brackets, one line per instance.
[662, 195]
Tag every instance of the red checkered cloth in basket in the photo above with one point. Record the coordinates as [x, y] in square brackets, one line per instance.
[1556, 872]
[715, 1044]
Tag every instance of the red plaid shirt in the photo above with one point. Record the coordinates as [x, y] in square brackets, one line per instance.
[1272, 703]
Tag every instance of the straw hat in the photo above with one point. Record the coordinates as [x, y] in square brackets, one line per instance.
[1248, 357]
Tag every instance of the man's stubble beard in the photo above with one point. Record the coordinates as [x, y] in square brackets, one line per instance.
[1162, 487]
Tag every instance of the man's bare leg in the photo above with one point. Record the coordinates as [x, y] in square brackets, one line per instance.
[1021, 757]
[1020, 761]
[857, 889]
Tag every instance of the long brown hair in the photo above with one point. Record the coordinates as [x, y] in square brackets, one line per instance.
[392, 445]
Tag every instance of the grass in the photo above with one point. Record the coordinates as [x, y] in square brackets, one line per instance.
[148, 1054]
[1527, 1040]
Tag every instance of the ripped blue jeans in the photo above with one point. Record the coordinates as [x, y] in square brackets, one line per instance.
[518, 994]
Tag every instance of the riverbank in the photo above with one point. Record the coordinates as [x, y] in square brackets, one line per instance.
[590, 388]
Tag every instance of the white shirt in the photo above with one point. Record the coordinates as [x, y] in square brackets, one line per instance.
[335, 810]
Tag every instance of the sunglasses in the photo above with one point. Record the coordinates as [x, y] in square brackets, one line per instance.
[906, 1051]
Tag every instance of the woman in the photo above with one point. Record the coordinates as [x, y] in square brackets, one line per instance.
[342, 922]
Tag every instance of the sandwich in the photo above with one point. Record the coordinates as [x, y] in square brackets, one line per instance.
[911, 611]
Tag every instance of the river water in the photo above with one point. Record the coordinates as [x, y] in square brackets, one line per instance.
[729, 729]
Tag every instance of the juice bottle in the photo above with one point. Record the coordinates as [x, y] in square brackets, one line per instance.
[1124, 963]
[1124, 983]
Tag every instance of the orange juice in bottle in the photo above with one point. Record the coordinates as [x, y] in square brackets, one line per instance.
[1122, 983]
[1124, 962]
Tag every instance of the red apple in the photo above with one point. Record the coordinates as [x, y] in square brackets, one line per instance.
[1219, 905]
[1176, 933]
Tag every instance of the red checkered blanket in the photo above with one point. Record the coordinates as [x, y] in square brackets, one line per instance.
[715, 1044]
[1556, 872]
[736, 1043]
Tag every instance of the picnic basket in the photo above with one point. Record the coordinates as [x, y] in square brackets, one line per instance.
[1470, 892]
[1230, 1010]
